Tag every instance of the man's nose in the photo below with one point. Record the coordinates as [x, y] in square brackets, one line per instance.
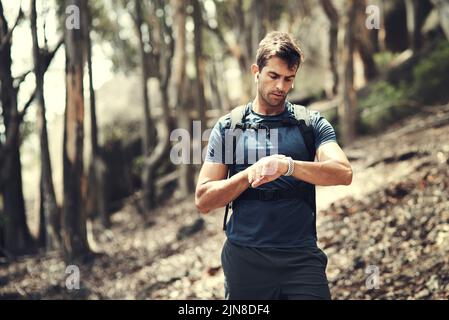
[280, 85]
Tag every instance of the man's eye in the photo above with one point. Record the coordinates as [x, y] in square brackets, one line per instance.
[273, 77]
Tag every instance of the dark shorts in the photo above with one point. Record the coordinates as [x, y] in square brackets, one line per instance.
[274, 273]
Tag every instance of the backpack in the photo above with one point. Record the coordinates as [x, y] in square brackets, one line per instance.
[299, 116]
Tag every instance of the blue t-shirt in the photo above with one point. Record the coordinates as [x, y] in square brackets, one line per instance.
[275, 223]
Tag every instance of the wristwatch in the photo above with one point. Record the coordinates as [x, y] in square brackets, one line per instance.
[291, 167]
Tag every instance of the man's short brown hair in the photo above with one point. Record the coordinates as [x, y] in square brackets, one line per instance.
[281, 45]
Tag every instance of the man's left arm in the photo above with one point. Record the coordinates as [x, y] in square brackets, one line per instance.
[332, 167]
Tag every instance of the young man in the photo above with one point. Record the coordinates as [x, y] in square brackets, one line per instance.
[271, 250]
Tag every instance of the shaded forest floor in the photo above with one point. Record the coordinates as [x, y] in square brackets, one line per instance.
[393, 218]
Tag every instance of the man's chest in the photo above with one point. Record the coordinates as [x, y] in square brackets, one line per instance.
[253, 145]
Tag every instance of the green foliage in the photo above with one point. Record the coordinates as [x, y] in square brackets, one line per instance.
[431, 76]
[121, 130]
[383, 59]
[137, 166]
[384, 105]
[382, 95]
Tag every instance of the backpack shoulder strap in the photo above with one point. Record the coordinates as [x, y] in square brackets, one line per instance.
[237, 116]
[303, 116]
[301, 113]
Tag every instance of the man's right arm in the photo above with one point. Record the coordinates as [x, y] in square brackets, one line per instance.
[214, 190]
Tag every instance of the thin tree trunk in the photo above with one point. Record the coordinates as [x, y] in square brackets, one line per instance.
[363, 43]
[199, 60]
[74, 214]
[413, 33]
[347, 110]
[147, 141]
[17, 238]
[416, 12]
[49, 227]
[243, 51]
[186, 174]
[163, 40]
[97, 168]
[158, 155]
[442, 7]
[333, 17]
[217, 100]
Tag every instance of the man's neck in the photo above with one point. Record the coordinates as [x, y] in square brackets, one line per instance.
[259, 106]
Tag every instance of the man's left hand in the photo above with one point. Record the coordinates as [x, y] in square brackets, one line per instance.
[267, 169]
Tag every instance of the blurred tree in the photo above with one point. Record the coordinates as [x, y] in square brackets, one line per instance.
[442, 6]
[347, 109]
[17, 238]
[49, 224]
[161, 42]
[416, 13]
[74, 214]
[97, 197]
[333, 16]
[186, 172]
[364, 40]
[148, 125]
[199, 59]
[241, 24]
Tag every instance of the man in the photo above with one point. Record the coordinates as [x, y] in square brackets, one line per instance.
[271, 250]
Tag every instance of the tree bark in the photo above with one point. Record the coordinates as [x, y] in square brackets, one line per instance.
[347, 110]
[186, 174]
[416, 13]
[165, 56]
[17, 238]
[243, 34]
[363, 40]
[148, 124]
[199, 60]
[333, 17]
[74, 215]
[442, 6]
[49, 226]
[97, 167]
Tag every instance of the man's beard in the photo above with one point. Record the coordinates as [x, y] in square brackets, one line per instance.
[278, 104]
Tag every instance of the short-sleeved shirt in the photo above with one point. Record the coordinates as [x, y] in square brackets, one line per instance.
[275, 223]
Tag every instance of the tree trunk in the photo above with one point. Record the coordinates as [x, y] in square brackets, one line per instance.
[416, 12]
[185, 182]
[199, 60]
[74, 214]
[148, 132]
[363, 41]
[333, 17]
[244, 59]
[442, 6]
[165, 56]
[17, 238]
[216, 95]
[202, 103]
[49, 226]
[347, 110]
[97, 167]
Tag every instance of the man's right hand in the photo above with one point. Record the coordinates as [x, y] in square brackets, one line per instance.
[267, 169]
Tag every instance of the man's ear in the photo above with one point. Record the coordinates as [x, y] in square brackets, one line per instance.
[255, 70]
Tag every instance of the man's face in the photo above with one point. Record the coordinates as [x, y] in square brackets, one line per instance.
[274, 81]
